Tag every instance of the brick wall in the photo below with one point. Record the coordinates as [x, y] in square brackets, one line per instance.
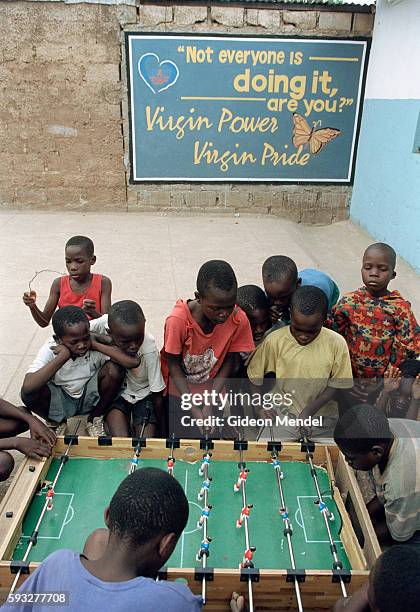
[63, 108]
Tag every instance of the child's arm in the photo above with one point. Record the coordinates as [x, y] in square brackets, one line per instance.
[151, 361]
[230, 365]
[258, 392]
[43, 317]
[105, 295]
[312, 408]
[35, 449]
[357, 602]
[174, 339]
[406, 343]
[338, 320]
[102, 338]
[34, 381]
[375, 508]
[377, 515]
[263, 362]
[116, 354]
[413, 409]
[414, 406]
[341, 377]
[382, 532]
[89, 306]
[176, 373]
[157, 399]
[392, 379]
[37, 428]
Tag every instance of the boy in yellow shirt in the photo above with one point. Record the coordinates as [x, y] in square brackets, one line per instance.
[310, 363]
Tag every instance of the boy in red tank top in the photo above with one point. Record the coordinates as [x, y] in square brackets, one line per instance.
[92, 292]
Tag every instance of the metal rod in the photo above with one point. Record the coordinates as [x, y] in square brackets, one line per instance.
[34, 535]
[171, 458]
[287, 525]
[204, 557]
[246, 527]
[259, 434]
[325, 513]
[204, 495]
[250, 593]
[135, 460]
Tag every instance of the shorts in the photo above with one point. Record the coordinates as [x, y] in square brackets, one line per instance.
[137, 409]
[63, 406]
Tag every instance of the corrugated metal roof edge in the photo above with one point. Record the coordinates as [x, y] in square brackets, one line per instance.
[338, 8]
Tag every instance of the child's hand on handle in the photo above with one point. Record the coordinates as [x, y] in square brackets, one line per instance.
[32, 448]
[29, 298]
[41, 432]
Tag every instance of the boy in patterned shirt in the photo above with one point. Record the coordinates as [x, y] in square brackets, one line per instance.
[378, 325]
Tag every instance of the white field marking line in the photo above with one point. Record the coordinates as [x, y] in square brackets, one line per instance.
[63, 524]
[71, 510]
[200, 508]
[303, 523]
[183, 533]
[298, 497]
[299, 513]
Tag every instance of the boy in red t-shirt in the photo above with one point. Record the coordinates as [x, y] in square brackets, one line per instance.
[91, 292]
[203, 339]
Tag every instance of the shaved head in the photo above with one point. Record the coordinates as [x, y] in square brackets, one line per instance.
[387, 250]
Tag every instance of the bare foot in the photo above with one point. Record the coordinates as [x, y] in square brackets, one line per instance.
[237, 603]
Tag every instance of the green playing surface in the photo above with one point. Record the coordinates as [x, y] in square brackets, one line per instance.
[86, 485]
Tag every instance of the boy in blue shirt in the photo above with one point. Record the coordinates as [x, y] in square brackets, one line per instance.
[145, 519]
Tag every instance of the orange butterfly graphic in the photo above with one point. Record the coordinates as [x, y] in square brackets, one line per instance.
[316, 139]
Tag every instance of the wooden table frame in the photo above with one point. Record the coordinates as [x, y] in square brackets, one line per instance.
[271, 592]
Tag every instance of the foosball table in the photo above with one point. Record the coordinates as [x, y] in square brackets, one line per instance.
[283, 524]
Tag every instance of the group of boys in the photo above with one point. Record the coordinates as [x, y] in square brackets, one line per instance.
[361, 350]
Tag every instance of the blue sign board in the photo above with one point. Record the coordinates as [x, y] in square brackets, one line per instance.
[218, 108]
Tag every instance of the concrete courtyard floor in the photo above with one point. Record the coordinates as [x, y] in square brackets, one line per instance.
[154, 259]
